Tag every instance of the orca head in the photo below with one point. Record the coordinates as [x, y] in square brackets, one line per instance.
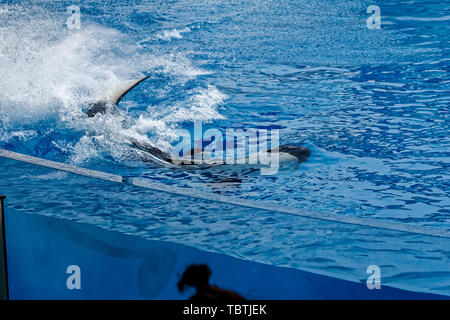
[300, 152]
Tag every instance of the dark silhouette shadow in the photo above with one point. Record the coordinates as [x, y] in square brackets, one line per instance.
[197, 275]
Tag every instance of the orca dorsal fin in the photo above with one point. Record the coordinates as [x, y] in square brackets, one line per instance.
[119, 92]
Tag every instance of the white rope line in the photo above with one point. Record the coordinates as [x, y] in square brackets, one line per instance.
[266, 206]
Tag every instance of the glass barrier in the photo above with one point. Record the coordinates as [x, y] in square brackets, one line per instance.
[70, 236]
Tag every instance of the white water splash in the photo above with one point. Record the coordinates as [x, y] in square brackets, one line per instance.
[50, 72]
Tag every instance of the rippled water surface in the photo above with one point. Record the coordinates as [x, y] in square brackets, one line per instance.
[372, 105]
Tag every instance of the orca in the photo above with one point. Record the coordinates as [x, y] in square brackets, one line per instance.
[288, 154]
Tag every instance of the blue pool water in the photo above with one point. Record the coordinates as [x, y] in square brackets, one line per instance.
[372, 105]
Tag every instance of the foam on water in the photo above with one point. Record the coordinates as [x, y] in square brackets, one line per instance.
[172, 34]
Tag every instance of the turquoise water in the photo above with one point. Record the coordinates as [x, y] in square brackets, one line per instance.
[372, 105]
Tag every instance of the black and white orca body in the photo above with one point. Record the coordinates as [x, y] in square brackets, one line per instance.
[289, 154]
